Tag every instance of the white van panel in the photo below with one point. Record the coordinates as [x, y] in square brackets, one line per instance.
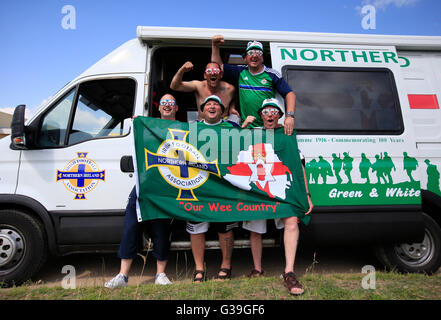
[355, 185]
[38, 176]
[39, 169]
[423, 77]
[9, 162]
[128, 58]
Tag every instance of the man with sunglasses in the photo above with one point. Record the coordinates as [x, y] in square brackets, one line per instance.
[270, 113]
[212, 110]
[256, 82]
[159, 229]
[211, 85]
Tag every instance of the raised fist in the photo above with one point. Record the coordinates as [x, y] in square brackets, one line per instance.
[188, 66]
[217, 40]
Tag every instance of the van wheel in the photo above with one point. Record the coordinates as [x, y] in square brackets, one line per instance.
[423, 257]
[22, 247]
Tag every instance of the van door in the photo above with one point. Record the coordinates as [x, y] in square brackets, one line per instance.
[73, 169]
[422, 81]
[357, 139]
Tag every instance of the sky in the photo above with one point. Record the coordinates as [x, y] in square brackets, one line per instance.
[47, 43]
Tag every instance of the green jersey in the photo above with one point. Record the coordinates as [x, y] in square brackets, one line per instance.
[254, 88]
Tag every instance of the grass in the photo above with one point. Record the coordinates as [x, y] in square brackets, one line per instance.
[336, 286]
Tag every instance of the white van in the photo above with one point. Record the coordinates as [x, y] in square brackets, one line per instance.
[367, 119]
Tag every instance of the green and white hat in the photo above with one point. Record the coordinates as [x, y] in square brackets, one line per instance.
[272, 102]
[254, 45]
[213, 98]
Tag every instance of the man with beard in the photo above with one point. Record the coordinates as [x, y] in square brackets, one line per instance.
[256, 82]
[212, 85]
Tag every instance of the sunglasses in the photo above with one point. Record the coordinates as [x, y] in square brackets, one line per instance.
[254, 52]
[270, 111]
[167, 102]
[212, 71]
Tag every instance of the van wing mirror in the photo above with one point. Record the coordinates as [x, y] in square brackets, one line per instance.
[18, 128]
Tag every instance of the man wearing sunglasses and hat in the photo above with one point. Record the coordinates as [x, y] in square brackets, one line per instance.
[158, 229]
[211, 110]
[256, 82]
[211, 85]
[270, 113]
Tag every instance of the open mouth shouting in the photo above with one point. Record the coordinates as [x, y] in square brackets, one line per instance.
[212, 111]
[270, 117]
[212, 73]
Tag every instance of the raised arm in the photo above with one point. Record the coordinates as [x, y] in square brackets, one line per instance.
[216, 41]
[290, 101]
[184, 86]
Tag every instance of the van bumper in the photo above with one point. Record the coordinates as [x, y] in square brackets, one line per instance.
[364, 225]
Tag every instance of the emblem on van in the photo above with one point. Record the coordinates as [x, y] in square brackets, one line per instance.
[181, 164]
[81, 175]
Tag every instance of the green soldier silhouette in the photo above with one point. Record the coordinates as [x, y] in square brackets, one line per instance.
[311, 169]
[365, 166]
[432, 177]
[324, 169]
[337, 164]
[378, 168]
[347, 166]
[388, 166]
[410, 164]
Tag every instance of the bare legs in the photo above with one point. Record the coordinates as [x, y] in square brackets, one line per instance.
[226, 242]
[256, 249]
[290, 240]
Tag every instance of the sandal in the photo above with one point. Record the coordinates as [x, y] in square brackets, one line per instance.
[255, 273]
[225, 276]
[290, 281]
[198, 279]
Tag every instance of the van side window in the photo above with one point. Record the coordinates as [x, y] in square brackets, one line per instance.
[102, 107]
[345, 100]
[97, 109]
[55, 122]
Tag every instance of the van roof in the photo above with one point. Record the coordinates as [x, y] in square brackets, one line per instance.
[152, 35]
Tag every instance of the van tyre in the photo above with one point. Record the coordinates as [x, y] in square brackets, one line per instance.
[424, 257]
[22, 247]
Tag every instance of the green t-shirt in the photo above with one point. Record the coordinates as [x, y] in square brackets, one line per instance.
[254, 88]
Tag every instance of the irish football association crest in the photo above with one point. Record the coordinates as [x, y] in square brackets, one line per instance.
[81, 175]
[181, 164]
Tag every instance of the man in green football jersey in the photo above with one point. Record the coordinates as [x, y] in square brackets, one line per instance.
[212, 110]
[256, 83]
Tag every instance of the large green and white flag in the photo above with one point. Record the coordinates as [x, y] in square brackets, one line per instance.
[196, 172]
